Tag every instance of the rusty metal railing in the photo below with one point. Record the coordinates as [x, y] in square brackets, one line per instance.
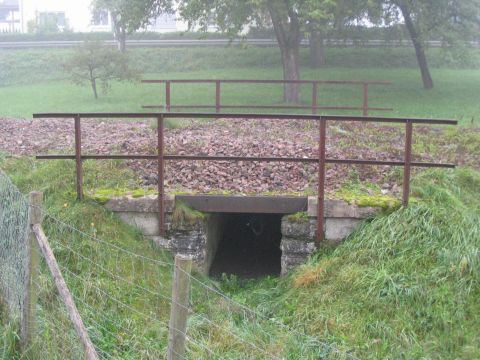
[314, 106]
[161, 157]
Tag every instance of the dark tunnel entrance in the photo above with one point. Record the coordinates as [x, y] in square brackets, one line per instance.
[249, 246]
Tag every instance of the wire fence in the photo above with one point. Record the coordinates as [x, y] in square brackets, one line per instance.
[124, 296]
[13, 245]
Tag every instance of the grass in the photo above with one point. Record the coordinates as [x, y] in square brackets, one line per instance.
[405, 96]
[113, 290]
[404, 286]
[36, 83]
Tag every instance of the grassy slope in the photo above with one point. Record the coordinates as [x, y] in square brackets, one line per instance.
[28, 90]
[405, 286]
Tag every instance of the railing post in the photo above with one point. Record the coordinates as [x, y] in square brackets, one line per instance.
[78, 157]
[321, 181]
[217, 96]
[408, 160]
[168, 99]
[28, 321]
[365, 99]
[161, 174]
[314, 97]
[179, 309]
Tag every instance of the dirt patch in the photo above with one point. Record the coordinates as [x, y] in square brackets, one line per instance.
[245, 137]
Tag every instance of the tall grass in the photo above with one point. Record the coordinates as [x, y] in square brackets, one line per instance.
[404, 286]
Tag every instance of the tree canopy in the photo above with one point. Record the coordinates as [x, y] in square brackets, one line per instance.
[94, 62]
[290, 19]
[451, 21]
[129, 16]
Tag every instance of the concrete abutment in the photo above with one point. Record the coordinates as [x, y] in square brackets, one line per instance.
[246, 234]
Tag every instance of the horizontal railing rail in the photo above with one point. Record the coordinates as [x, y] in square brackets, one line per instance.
[314, 106]
[321, 159]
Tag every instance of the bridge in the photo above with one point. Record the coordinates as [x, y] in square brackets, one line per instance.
[322, 220]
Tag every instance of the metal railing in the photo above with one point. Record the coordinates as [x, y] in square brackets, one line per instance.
[321, 160]
[314, 106]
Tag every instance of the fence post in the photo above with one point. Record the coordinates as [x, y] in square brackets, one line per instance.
[217, 96]
[168, 99]
[64, 292]
[161, 173]
[365, 99]
[27, 327]
[321, 180]
[314, 97]
[179, 308]
[78, 157]
[408, 160]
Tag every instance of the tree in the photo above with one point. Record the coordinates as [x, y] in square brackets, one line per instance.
[94, 62]
[330, 18]
[128, 16]
[48, 23]
[289, 19]
[452, 21]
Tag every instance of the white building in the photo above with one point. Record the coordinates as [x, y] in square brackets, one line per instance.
[76, 15]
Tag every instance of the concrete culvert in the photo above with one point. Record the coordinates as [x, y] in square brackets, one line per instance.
[249, 246]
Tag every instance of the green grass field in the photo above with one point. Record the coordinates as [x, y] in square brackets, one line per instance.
[42, 87]
[455, 95]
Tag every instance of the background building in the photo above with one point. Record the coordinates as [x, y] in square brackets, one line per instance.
[74, 15]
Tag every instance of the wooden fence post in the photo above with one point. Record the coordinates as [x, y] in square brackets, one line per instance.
[64, 292]
[27, 326]
[179, 308]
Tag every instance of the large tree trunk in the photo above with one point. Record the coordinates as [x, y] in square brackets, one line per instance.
[419, 48]
[291, 71]
[121, 37]
[317, 50]
[289, 37]
[119, 32]
[93, 82]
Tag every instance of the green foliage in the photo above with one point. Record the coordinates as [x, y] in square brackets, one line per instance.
[34, 65]
[450, 21]
[129, 16]
[46, 24]
[8, 335]
[94, 62]
[405, 285]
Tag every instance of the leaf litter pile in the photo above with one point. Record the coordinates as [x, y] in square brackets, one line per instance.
[250, 138]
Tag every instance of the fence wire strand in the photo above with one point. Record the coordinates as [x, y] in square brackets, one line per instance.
[124, 299]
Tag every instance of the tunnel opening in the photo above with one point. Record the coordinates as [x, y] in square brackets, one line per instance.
[249, 246]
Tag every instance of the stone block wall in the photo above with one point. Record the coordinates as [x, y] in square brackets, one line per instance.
[200, 238]
[299, 233]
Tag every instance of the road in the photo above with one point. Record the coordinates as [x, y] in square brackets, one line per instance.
[214, 42]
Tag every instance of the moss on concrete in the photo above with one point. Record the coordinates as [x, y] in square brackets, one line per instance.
[185, 216]
[386, 202]
[299, 217]
[102, 196]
